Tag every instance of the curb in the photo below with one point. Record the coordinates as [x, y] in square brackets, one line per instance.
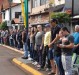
[26, 67]
[16, 50]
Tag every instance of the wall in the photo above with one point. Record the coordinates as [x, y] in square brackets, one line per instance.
[57, 2]
[68, 5]
[40, 18]
[7, 15]
[15, 9]
[42, 7]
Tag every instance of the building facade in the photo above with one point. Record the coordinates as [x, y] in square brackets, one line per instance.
[16, 13]
[0, 9]
[39, 15]
[37, 8]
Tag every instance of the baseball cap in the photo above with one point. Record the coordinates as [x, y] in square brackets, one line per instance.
[47, 25]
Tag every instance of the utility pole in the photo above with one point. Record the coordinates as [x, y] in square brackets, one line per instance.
[72, 8]
[10, 17]
[72, 15]
[26, 13]
[10, 9]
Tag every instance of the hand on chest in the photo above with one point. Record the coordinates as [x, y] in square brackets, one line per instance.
[64, 40]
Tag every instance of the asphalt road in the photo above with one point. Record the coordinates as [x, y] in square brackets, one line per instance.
[6, 65]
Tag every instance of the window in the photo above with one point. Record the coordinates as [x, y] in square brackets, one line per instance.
[4, 15]
[36, 3]
[43, 2]
[17, 14]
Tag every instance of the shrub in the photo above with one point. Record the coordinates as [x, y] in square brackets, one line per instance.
[4, 26]
[61, 17]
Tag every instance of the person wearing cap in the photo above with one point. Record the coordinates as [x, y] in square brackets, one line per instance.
[47, 38]
[55, 28]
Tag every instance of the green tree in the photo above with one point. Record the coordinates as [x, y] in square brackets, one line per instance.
[4, 26]
[61, 17]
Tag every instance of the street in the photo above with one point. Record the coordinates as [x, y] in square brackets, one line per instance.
[6, 65]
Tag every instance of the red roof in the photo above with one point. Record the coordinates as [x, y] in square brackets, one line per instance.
[6, 4]
[16, 20]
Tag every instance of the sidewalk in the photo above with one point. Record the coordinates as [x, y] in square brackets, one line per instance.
[26, 64]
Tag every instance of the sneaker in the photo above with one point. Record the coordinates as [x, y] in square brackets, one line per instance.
[41, 69]
[38, 66]
[35, 63]
[24, 57]
[30, 59]
[47, 69]
[51, 73]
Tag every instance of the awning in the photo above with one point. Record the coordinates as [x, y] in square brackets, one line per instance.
[77, 16]
[57, 8]
[16, 21]
[34, 24]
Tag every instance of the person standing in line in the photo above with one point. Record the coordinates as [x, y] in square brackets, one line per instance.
[76, 39]
[35, 51]
[14, 38]
[18, 39]
[2, 36]
[25, 46]
[47, 39]
[11, 38]
[54, 31]
[39, 44]
[76, 44]
[32, 41]
[67, 46]
[57, 54]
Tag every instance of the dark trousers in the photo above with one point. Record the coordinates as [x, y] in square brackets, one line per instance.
[11, 42]
[35, 56]
[2, 42]
[45, 54]
[39, 55]
[15, 43]
[59, 64]
[18, 46]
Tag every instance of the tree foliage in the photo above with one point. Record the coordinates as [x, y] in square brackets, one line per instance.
[4, 26]
[61, 17]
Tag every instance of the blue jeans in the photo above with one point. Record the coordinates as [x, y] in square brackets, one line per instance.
[25, 48]
[2, 40]
[59, 64]
[11, 42]
[32, 50]
[51, 54]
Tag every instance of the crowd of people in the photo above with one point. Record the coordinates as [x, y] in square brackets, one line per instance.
[51, 48]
